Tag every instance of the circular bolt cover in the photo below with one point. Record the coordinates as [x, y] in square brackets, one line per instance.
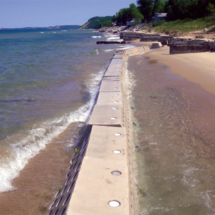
[117, 134]
[115, 101]
[114, 108]
[113, 118]
[116, 173]
[114, 203]
[116, 151]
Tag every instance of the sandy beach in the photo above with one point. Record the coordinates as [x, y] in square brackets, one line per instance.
[196, 67]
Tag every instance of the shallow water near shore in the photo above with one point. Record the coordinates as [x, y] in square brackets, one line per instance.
[174, 140]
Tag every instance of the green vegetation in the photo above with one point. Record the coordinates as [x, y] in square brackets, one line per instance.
[127, 14]
[98, 22]
[182, 15]
[149, 7]
[189, 9]
[177, 9]
[158, 23]
[185, 25]
[76, 149]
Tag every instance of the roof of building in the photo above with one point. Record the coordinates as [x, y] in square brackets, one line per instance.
[160, 14]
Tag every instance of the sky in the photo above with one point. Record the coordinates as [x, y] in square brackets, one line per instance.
[44, 13]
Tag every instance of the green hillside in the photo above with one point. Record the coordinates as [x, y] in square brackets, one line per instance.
[98, 22]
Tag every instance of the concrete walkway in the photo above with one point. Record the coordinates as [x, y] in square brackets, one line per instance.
[104, 172]
[96, 185]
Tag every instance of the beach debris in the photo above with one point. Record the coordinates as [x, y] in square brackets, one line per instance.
[76, 149]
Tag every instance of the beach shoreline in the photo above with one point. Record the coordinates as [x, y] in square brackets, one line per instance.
[195, 67]
[41, 178]
[173, 130]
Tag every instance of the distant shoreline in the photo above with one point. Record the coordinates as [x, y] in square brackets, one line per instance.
[60, 27]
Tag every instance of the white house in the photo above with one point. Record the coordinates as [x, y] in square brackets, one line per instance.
[159, 16]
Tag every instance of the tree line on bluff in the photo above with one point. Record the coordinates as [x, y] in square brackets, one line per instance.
[146, 9]
[175, 9]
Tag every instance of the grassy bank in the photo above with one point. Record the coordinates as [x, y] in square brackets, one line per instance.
[185, 26]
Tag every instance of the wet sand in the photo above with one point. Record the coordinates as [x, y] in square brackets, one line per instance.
[41, 178]
[196, 67]
[174, 132]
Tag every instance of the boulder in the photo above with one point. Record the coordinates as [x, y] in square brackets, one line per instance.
[156, 45]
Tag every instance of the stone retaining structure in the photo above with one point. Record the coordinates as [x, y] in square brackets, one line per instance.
[184, 45]
[106, 175]
[164, 39]
[149, 37]
[156, 45]
[130, 35]
[177, 45]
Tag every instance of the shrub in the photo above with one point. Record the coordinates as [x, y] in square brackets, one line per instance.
[158, 23]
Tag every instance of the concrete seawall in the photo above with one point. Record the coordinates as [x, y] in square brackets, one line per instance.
[182, 49]
[143, 37]
[183, 45]
[102, 177]
[178, 45]
[130, 35]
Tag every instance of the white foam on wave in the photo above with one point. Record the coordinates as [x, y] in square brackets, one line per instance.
[115, 38]
[190, 178]
[109, 50]
[209, 196]
[110, 35]
[96, 37]
[37, 138]
[124, 47]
